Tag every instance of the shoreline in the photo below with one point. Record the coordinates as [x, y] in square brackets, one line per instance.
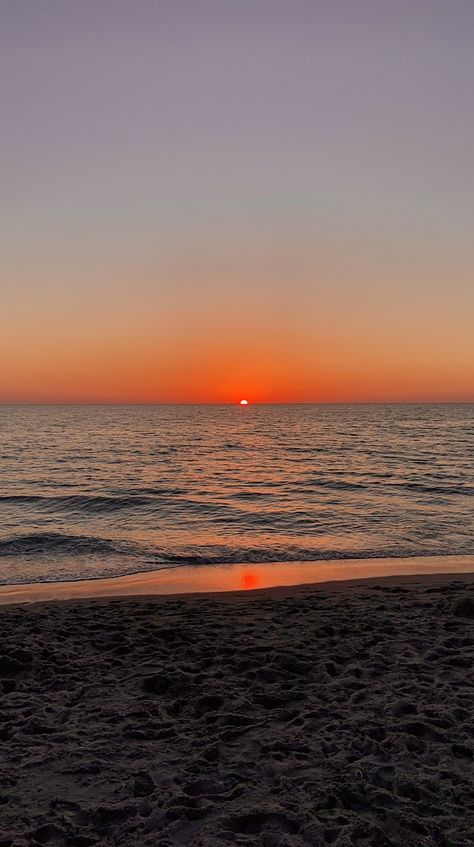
[246, 579]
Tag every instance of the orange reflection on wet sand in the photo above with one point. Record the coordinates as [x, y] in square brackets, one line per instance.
[208, 579]
[249, 579]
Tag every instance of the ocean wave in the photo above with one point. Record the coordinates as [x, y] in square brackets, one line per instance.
[429, 488]
[156, 498]
[59, 544]
[448, 489]
[250, 495]
[336, 484]
[272, 555]
[80, 502]
[104, 557]
[55, 542]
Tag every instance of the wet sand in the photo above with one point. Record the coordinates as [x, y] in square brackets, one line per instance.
[234, 577]
[332, 714]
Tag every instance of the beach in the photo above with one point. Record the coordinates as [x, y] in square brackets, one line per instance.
[236, 424]
[334, 714]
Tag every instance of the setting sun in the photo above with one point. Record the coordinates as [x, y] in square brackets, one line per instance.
[244, 402]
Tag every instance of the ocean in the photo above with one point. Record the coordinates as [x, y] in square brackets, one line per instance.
[93, 491]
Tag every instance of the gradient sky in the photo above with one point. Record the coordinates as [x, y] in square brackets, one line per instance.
[204, 200]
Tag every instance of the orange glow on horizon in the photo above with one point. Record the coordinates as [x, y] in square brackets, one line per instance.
[65, 350]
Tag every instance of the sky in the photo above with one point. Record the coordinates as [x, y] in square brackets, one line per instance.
[204, 200]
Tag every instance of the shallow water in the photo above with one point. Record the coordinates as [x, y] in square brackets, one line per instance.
[88, 491]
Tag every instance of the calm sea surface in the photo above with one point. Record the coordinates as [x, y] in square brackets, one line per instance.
[88, 491]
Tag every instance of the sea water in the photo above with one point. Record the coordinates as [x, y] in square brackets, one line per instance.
[91, 491]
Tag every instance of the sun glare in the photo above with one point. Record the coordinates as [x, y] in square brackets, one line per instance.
[244, 402]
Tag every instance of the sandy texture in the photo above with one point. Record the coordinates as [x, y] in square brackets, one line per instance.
[332, 716]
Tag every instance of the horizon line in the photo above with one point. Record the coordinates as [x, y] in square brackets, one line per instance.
[464, 402]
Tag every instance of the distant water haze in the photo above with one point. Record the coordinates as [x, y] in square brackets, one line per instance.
[90, 491]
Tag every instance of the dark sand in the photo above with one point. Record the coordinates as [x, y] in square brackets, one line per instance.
[326, 715]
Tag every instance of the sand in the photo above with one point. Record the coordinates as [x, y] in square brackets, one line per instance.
[334, 715]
